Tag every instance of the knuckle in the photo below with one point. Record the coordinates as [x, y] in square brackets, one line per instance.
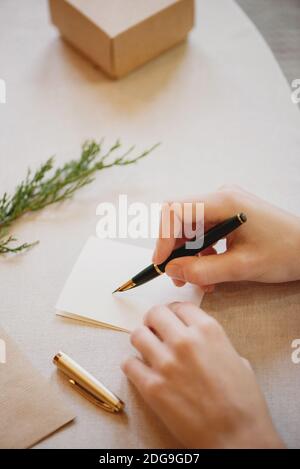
[244, 265]
[191, 272]
[167, 366]
[153, 314]
[183, 343]
[181, 306]
[238, 269]
[153, 388]
[126, 365]
[210, 326]
[197, 273]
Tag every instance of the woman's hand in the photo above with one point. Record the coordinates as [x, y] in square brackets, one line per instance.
[196, 383]
[265, 249]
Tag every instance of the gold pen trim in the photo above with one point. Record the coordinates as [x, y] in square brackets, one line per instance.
[87, 385]
[242, 218]
[98, 402]
[126, 286]
[157, 269]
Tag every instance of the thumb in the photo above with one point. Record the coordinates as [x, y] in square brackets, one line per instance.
[206, 270]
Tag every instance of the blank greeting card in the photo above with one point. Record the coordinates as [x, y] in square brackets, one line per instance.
[102, 266]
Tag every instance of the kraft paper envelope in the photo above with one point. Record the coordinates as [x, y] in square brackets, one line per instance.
[102, 266]
[30, 409]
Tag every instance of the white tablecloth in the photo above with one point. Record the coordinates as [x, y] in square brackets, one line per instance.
[222, 109]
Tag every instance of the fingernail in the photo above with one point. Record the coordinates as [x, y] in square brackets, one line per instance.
[174, 271]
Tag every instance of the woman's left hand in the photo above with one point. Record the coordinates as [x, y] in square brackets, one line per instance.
[196, 383]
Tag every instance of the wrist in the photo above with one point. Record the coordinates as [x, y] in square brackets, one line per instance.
[254, 431]
[256, 438]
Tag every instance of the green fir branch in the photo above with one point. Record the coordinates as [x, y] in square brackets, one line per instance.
[49, 185]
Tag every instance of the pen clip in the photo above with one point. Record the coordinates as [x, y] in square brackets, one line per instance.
[97, 401]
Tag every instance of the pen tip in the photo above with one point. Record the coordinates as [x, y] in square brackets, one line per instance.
[126, 286]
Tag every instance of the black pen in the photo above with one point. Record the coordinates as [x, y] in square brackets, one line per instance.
[211, 237]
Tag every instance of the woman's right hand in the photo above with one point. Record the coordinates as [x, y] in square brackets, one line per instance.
[265, 249]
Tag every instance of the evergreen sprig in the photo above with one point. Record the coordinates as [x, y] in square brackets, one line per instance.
[49, 185]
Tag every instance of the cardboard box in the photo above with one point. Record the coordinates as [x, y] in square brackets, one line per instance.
[121, 35]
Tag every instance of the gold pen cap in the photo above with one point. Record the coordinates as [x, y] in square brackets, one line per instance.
[87, 384]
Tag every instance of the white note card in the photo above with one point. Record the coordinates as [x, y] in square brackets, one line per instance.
[104, 265]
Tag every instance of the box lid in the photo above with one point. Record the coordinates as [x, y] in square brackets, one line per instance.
[117, 16]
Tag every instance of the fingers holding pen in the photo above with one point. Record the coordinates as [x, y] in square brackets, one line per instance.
[173, 223]
[207, 270]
